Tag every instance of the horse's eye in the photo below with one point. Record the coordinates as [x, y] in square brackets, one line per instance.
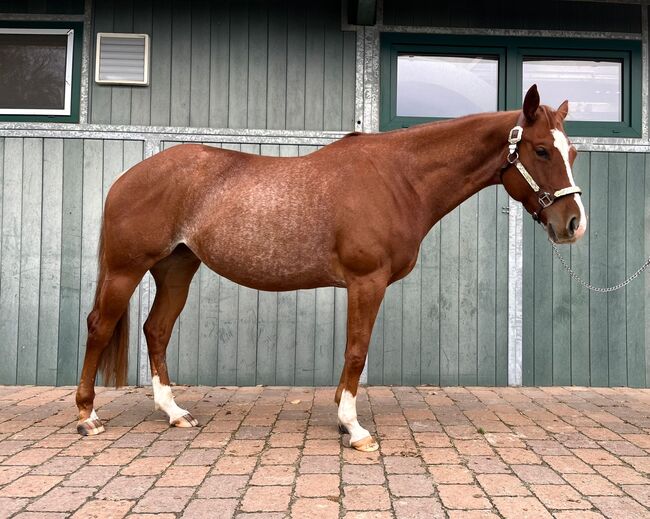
[541, 152]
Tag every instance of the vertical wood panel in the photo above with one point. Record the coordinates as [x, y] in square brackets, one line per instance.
[332, 69]
[219, 64]
[598, 270]
[502, 289]
[324, 336]
[314, 72]
[200, 61]
[10, 273]
[486, 287]
[296, 68]
[161, 60]
[50, 286]
[238, 86]
[276, 110]
[257, 64]
[209, 283]
[449, 286]
[67, 357]
[430, 346]
[635, 247]
[616, 227]
[181, 64]
[468, 294]
[305, 337]
[30, 260]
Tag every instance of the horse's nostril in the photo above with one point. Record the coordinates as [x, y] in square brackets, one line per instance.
[573, 225]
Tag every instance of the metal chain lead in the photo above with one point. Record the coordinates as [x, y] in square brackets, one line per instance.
[591, 287]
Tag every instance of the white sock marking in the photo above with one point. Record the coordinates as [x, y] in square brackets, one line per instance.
[348, 417]
[163, 399]
[93, 415]
[562, 144]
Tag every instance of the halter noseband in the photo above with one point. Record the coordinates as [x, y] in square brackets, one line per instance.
[544, 197]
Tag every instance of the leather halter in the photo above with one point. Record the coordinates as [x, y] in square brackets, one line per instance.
[544, 197]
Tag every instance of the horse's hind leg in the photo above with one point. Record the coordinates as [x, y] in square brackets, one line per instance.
[173, 276]
[364, 298]
[110, 307]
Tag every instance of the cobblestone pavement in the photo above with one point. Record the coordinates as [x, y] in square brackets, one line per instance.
[275, 452]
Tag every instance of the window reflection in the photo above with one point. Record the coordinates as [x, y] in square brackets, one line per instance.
[446, 86]
[593, 88]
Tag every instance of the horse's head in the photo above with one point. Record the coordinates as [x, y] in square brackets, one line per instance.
[539, 170]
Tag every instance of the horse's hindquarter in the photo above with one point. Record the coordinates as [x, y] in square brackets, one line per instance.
[267, 223]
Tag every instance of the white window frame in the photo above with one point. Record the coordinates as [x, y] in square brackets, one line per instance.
[145, 81]
[68, 73]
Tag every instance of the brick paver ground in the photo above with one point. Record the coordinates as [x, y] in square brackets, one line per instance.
[274, 452]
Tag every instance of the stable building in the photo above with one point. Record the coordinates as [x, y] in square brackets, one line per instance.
[89, 88]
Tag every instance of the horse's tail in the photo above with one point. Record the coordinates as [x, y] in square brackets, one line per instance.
[114, 361]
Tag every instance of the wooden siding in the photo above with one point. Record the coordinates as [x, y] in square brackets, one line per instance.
[571, 335]
[51, 205]
[238, 64]
[446, 323]
[505, 14]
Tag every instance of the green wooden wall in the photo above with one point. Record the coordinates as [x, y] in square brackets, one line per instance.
[572, 336]
[51, 205]
[238, 64]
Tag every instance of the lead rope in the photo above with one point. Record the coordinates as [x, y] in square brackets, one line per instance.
[590, 286]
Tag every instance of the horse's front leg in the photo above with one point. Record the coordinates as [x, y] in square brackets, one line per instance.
[364, 298]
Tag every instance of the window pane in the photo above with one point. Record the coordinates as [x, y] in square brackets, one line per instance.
[593, 88]
[446, 86]
[32, 71]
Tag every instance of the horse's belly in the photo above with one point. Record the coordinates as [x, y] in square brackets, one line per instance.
[268, 261]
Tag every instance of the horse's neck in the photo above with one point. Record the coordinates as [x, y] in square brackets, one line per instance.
[446, 163]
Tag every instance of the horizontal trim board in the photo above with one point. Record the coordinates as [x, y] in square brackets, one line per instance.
[250, 136]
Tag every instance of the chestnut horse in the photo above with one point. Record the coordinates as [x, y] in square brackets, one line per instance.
[350, 215]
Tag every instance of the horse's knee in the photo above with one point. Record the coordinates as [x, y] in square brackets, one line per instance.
[355, 360]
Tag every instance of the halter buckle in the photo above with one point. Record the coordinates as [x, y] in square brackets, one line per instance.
[515, 135]
[545, 199]
[512, 157]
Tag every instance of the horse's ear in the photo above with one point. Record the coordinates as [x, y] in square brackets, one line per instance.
[531, 103]
[563, 110]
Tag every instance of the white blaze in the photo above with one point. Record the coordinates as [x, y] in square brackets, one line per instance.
[163, 399]
[348, 417]
[562, 144]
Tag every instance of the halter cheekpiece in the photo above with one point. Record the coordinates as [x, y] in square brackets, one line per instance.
[544, 197]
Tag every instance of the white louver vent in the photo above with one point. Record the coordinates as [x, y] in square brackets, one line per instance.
[122, 58]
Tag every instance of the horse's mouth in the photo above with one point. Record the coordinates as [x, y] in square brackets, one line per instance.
[559, 240]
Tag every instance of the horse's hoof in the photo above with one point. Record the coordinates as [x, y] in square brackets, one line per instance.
[343, 429]
[187, 420]
[367, 444]
[90, 427]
